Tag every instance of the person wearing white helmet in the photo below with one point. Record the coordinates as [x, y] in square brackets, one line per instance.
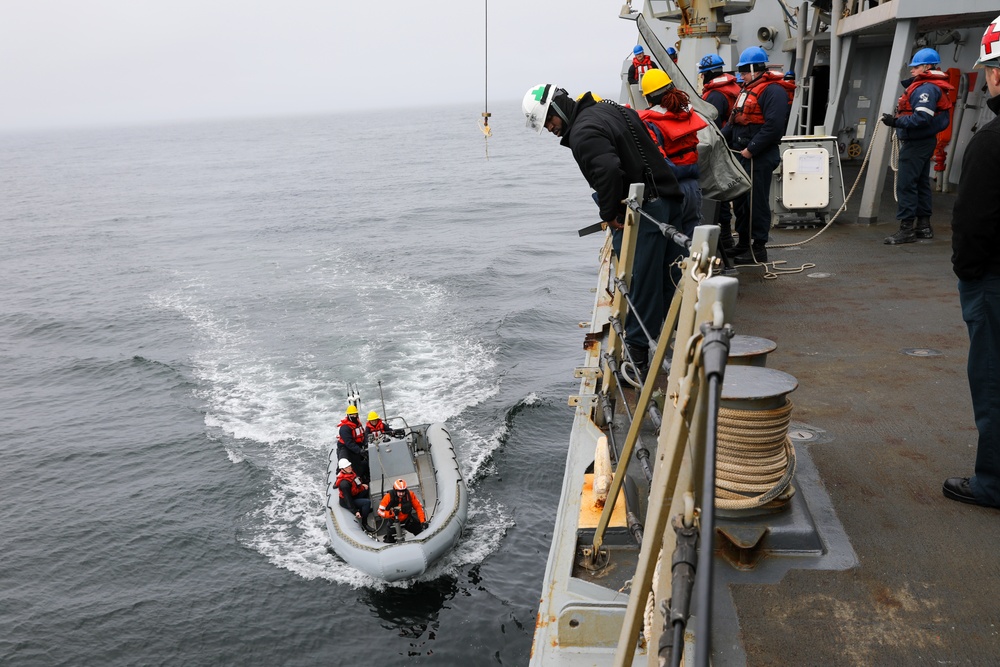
[613, 150]
[921, 112]
[975, 258]
[353, 492]
[641, 63]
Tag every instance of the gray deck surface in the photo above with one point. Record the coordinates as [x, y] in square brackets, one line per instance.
[926, 589]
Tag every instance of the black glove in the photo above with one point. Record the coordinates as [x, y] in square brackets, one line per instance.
[889, 119]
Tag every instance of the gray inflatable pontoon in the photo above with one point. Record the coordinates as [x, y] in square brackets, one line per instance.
[425, 458]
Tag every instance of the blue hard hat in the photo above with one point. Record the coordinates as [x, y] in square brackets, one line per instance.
[637, 50]
[925, 57]
[671, 51]
[710, 62]
[754, 55]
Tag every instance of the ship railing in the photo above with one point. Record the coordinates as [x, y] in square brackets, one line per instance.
[698, 318]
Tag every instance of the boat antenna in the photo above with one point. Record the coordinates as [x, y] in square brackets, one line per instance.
[382, 396]
[484, 124]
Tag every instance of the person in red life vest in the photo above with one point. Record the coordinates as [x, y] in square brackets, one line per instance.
[720, 89]
[402, 505]
[674, 127]
[376, 429]
[921, 113]
[756, 124]
[351, 442]
[353, 493]
[641, 63]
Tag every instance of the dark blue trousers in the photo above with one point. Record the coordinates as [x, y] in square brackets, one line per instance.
[981, 312]
[652, 287]
[753, 209]
[913, 187]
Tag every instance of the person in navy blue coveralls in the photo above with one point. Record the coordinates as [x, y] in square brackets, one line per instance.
[756, 126]
[921, 113]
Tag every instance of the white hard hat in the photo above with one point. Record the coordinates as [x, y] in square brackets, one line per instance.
[343, 463]
[989, 49]
[536, 105]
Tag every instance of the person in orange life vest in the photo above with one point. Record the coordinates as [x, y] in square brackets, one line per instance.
[353, 493]
[720, 89]
[402, 504]
[641, 63]
[376, 429]
[351, 443]
[756, 125]
[921, 113]
[674, 127]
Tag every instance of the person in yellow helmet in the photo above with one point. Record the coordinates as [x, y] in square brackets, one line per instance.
[351, 443]
[375, 429]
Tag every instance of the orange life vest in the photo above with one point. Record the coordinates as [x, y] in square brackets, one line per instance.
[356, 489]
[357, 430]
[376, 428]
[642, 65]
[747, 110]
[725, 84]
[409, 503]
[676, 134]
[939, 79]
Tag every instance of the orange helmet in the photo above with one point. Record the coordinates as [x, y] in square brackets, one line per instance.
[399, 485]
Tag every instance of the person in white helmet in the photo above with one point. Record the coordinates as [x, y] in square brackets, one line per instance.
[975, 258]
[353, 492]
[613, 150]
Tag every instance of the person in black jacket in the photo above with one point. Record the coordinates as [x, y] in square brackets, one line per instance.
[975, 257]
[614, 150]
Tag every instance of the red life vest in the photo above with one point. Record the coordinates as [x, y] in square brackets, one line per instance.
[356, 489]
[725, 84]
[377, 428]
[676, 134]
[642, 65]
[357, 430]
[939, 79]
[747, 110]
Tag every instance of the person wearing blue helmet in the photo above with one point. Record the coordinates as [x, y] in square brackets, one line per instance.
[720, 89]
[756, 125]
[641, 63]
[921, 112]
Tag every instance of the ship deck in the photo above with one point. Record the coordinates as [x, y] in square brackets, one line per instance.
[924, 586]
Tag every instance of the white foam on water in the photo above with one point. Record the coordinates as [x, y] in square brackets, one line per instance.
[276, 412]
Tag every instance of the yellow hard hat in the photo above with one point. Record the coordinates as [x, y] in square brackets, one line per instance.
[372, 416]
[653, 80]
[352, 409]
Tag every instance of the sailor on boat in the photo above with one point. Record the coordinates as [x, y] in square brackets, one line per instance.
[353, 492]
[351, 442]
[402, 505]
[375, 428]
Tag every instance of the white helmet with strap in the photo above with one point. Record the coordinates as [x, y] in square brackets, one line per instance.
[989, 50]
[536, 105]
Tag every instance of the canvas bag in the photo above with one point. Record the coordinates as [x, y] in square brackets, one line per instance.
[722, 177]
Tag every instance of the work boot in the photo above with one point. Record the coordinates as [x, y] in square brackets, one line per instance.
[640, 357]
[904, 235]
[755, 254]
[922, 229]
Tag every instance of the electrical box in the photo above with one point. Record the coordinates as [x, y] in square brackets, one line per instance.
[805, 178]
[808, 187]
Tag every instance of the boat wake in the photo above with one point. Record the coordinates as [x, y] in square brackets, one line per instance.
[277, 412]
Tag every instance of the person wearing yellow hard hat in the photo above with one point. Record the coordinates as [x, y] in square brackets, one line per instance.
[975, 238]
[674, 127]
[377, 430]
[351, 442]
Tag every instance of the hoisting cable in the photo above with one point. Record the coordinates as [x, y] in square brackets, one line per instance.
[641, 453]
[654, 413]
[484, 124]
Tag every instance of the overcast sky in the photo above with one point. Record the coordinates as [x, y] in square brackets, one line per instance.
[106, 62]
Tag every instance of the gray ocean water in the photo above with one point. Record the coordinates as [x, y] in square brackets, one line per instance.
[182, 308]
